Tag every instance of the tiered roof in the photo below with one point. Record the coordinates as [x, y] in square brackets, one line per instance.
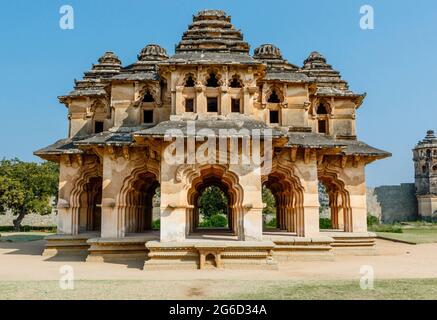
[430, 141]
[95, 80]
[212, 38]
[278, 69]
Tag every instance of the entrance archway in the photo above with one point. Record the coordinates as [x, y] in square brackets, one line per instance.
[212, 210]
[288, 194]
[338, 202]
[90, 212]
[136, 201]
[219, 177]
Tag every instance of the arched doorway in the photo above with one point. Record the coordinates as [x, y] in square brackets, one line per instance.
[216, 181]
[212, 210]
[335, 209]
[288, 200]
[137, 202]
[90, 213]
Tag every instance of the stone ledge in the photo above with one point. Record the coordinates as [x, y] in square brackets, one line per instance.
[57, 245]
[196, 254]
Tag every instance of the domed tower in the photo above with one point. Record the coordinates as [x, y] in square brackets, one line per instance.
[425, 166]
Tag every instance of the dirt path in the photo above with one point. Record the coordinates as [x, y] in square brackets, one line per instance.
[23, 261]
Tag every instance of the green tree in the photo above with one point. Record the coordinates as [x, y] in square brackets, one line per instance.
[269, 200]
[27, 187]
[213, 201]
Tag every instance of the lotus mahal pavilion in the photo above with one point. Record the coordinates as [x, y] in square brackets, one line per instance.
[219, 100]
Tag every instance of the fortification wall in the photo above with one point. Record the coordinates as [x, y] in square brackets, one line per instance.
[34, 220]
[393, 203]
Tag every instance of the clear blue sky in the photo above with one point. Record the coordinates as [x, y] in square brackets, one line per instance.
[396, 64]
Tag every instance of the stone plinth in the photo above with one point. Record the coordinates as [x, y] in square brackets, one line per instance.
[67, 245]
[118, 249]
[205, 254]
[358, 243]
[289, 247]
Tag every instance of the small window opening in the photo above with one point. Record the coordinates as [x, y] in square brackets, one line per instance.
[274, 98]
[148, 116]
[235, 105]
[189, 105]
[189, 82]
[98, 126]
[321, 109]
[212, 105]
[274, 116]
[148, 97]
[322, 126]
[212, 81]
[235, 82]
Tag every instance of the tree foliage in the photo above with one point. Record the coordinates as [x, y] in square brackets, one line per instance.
[269, 200]
[213, 201]
[27, 187]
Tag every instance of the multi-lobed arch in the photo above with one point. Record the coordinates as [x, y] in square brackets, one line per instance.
[288, 192]
[134, 200]
[339, 199]
[195, 179]
[88, 172]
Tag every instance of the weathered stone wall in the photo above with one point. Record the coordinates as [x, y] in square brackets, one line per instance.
[34, 220]
[393, 203]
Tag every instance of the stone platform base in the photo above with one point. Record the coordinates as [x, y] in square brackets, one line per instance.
[210, 255]
[66, 245]
[289, 248]
[356, 243]
[118, 249]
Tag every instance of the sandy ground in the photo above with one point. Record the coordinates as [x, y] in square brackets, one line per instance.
[23, 261]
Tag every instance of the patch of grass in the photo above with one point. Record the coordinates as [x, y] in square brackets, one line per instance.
[23, 236]
[412, 289]
[386, 228]
[413, 235]
[224, 289]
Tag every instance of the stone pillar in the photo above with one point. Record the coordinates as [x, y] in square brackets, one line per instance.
[308, 215]
[112, 223]
[66, 184]
[225, 101]
[356, 188]
[252, 222]
[174, 205]
[179, 103]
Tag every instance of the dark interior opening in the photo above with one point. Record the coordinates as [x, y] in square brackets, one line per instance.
[148, 116]
[273, 97]
[189, 82]
[321, 109]
[235, 105]
[274, 116]
[212, 105]
[98, 126]
[189, 105]
[322, 126]
[148, 97]
[235, 82]
[212, 81]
